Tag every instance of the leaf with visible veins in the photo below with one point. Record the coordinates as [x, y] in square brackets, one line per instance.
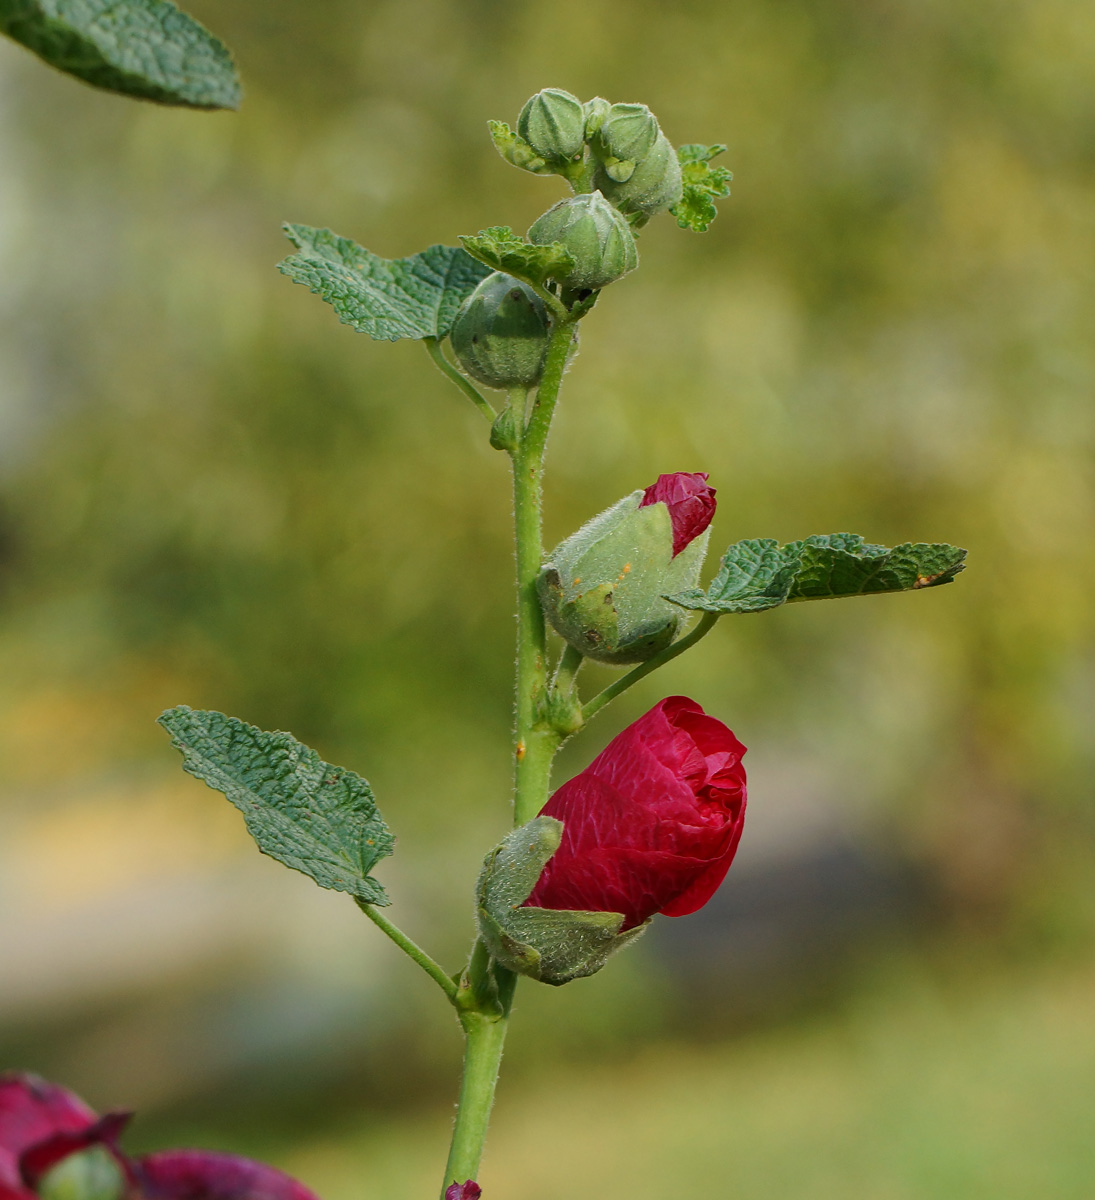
[759, 574]
[149, 49]
[306, 813]
[387, 298]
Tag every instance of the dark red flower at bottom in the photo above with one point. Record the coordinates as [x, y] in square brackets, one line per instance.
[653, 823]
[42, 1124]
[469, 1190]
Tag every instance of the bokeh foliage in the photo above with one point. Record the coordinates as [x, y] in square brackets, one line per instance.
[212, 493]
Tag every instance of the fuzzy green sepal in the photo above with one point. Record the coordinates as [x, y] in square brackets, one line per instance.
[552, 946]
[603, 588]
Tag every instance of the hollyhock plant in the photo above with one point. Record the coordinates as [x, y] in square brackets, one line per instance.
[653, 823]
[42, 1126]
[690, 501]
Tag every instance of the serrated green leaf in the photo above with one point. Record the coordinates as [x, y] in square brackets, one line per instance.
[503, 250]
[701, 184]
[758, 574]
[387, 298]
[306, 813]
[144, 48]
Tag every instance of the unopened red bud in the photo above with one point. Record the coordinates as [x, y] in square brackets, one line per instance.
[653, 823]
[690, 501]
[603, 588]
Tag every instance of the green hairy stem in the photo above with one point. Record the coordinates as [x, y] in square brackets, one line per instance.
[534, 747]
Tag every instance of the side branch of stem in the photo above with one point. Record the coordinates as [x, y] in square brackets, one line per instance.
[413, 951]
[433, 348]
[652, 664]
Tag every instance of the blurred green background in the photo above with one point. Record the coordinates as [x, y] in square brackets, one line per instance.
[211, 493]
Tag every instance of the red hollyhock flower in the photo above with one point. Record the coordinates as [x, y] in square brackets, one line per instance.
[690, 501]
[652, 824]
[41, 1124]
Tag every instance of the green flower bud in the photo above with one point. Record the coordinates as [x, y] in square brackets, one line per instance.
[595, 111]
[91, 1174]
[553, 124]
[602, 588]
[595, 233]
[500, 334]
[551, 945]
[624, 138]
[653, 185]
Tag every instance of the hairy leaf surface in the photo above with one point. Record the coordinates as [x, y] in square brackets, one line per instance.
[144, 48]
[503, 250]
[304, 812]
[759, 573]
[387, 298]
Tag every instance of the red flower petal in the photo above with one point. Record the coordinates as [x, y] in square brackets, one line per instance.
[32, 1111]
[207, 1175]
[690, 501]
[38, 1159]
[653, 823]
[469, 1190]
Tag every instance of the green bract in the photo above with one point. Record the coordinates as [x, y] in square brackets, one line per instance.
[91, 1174]
[501, 333]
[551, 945]
[603, 587]
[702, 184]
[553, 124]
[516, 151]
[597, 236]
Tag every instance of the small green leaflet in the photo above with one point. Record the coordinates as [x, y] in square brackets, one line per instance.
[503, 250]
[696, 208]
[387, 298]
[144, 48]
[759, 573]
[514, 149]
[307, 814]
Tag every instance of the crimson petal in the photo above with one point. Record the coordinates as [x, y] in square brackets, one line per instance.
[37, 1159]
[468, 1190]
[207, 1175]
[31, 1111]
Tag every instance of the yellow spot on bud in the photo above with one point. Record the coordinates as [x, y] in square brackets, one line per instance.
[576, 581]
[520, 751]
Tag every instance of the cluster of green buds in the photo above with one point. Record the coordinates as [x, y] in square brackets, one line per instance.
[617, 149]
[622, 170]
